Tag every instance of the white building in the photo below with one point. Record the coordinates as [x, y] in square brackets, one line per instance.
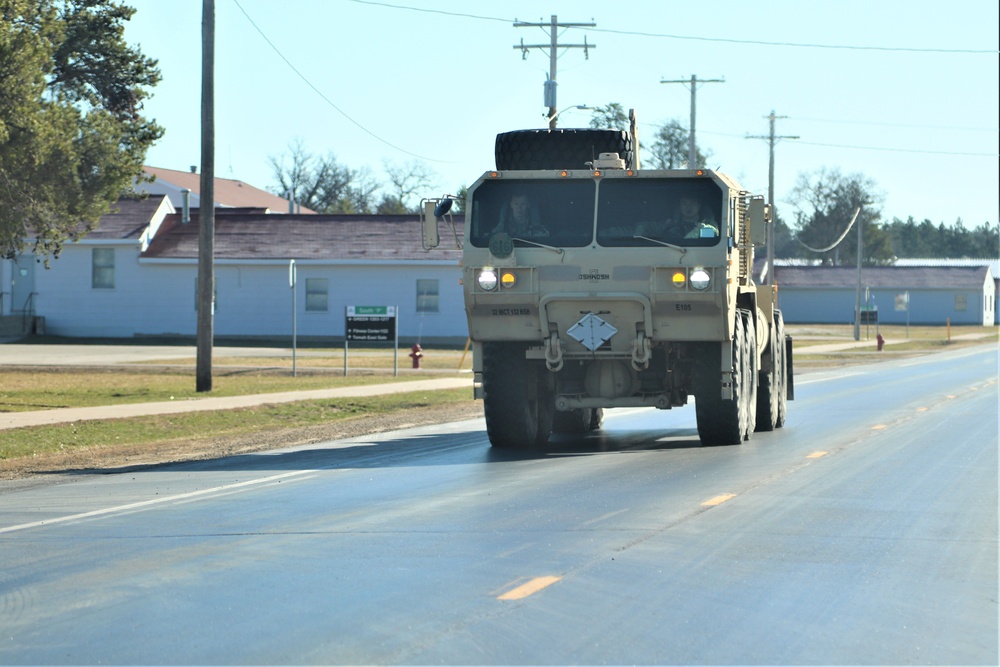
[136, 276]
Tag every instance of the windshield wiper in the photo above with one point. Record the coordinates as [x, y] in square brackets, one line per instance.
[540, 245]
[664, 243]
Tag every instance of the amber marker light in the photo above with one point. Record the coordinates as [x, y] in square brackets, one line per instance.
[630, 173]
[494, 174]
[564, 173]
[597, 174]
[507, 279]
[699, 173]
[678, 279]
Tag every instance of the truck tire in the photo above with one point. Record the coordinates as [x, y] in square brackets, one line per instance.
[723, 421]
[751, 372]
[516, 401]
[782, 379]
[771, 385]
[559, 148]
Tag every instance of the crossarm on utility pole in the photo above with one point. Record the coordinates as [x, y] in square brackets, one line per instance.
[552, 46]
[692, 151]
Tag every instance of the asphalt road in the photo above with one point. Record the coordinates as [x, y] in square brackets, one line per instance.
[863, 532]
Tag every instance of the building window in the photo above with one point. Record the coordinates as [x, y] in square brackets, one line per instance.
[317, 295]
[961, 301]
[427, 296]
[102, 275]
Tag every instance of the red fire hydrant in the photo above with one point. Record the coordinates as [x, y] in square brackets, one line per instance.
[880, 341]
[416, 352]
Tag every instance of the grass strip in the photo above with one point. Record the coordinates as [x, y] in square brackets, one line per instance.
[24, 390]
[160, 429]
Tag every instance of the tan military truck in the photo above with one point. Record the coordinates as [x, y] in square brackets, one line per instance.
[590, 284]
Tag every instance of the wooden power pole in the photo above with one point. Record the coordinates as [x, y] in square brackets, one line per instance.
[692, 150]
[206, 206]
[772, 139]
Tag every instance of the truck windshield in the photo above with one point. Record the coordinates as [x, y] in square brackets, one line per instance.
[557, 213]
[649, 211]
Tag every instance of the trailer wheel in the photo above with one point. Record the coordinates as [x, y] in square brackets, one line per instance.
[723, 421]
[516, 400]
[559, 148]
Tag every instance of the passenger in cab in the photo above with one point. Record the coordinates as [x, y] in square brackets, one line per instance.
[690, 221]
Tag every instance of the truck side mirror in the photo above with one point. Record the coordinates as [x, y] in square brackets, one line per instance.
[760, 218]
[429, 235]
[443, 207]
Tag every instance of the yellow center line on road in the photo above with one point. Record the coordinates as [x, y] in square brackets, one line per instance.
[529, 588]
[718, 500]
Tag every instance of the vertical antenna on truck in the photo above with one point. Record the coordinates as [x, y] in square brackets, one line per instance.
[634, 129]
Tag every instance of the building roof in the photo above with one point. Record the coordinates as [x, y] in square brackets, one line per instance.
[883, 277]
[131, 218]
[228, 192]
[994, 264]
[259, 236]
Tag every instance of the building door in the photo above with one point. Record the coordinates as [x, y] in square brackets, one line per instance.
[22, 286]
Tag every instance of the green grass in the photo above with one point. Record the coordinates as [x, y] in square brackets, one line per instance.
[41, 388]
[899, 339]
[45, 388]
[151, 430]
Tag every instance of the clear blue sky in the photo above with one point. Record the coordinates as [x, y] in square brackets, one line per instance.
[903, 92]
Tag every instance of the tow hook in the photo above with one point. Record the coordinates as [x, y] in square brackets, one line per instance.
[641, 352]
[553, 352]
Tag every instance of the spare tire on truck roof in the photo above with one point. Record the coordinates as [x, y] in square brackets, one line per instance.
[559, 148]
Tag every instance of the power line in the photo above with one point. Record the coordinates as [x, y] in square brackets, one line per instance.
[327, 99]
[898, 150]
[801, 45]
[433, 11]
[751, 42]
[903, 125]
[845, 146]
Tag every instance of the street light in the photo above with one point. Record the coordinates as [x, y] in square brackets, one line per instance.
[551, 120]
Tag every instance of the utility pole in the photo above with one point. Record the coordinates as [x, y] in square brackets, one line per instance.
[552, 47]
[772, 139]
[206, 212]
[692, 152]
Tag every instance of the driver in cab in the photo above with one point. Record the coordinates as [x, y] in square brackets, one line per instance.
[520, 219]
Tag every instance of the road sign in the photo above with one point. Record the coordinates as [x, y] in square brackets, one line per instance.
[372, 324]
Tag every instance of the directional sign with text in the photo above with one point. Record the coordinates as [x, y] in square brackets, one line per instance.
[371, 323]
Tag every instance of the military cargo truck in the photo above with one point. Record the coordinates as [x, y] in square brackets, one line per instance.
[590, 283]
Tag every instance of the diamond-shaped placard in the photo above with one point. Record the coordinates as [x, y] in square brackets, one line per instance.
[591, 331]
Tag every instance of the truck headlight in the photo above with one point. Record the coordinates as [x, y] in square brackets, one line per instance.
[700, 280]
[487, 280]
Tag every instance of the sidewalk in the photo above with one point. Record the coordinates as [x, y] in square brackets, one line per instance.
[9, 420]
